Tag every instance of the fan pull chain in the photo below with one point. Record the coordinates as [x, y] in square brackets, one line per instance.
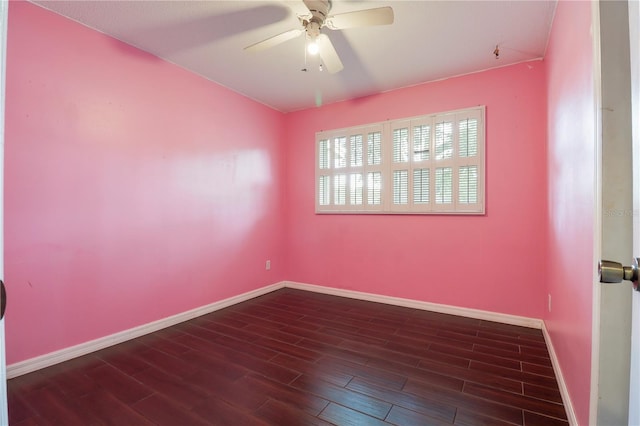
[304, 69]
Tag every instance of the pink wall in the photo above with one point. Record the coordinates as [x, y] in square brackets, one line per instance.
[134, 189]
[571, 177]
[494, 262]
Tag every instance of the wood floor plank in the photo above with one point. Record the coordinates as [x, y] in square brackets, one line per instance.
[178, 390]
[219, 387]
[403, 417]
[165, 412]
[217, 412]
[473, 418]
[535, 419]
[329, 374]
[469, 375]
[522, 376]
[514, 400]
[541, 392]
[53, 407]
[339, 415]
[345, 397]
[278, 413]
[123, 387]
[32, 421]
[177, 366]
[538, 369]
[429, 407]
[307, 402]
[371, 374]
[476, 356]
[292, 357]
[121, 358]
[466, 401]
[313, 335]
[112, 411]
[518, 356]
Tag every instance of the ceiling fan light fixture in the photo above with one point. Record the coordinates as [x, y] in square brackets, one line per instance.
[313, 48]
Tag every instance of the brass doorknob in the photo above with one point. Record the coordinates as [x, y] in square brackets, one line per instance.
[614, 272]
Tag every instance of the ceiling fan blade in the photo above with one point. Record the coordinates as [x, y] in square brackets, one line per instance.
[328, 54]
[273, 41]
[361, 18]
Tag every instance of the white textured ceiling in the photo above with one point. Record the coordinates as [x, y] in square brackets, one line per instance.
[429, 40]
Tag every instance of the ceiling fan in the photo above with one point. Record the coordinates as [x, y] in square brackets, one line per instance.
[318, 18]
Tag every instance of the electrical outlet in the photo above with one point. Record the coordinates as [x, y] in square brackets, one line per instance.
[267, 265]
[549, 302]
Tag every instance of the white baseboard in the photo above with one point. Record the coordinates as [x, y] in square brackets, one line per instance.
[425, 306]
[33, 364]
[564, 391]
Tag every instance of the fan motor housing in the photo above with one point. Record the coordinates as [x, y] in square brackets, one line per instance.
[319, 10]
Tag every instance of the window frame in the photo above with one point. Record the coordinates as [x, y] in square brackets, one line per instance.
[410, 164]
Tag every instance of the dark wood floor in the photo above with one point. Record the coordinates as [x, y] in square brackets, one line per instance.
[298, 358]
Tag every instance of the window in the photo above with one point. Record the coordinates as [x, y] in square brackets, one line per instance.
[427, 164]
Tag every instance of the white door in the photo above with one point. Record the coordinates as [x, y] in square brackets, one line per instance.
[4, 13]
[634, 37]
[616, 357]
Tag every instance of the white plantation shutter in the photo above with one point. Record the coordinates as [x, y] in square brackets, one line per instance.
[356, 187]
[374, 148]
[421, 142]
[468, 184]
[400, 165]
[324, 153]
[355, 146]
[444, 185]
[469, 161]
[444, 139]
[401, 145]
[374, 188]
[340, 189]
[443, 162]
[323, 190]
[374, 169]
[468, 137]
[420, 168]
[323, 173]
[400, 187]
[421, 184]
[340, 152]
[428, 164]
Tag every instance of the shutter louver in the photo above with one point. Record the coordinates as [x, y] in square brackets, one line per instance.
[340, 151]
[323, 190]
[421, 186]
[374, 188]
[444, 140]
[400, 186]
[468, 185]
[355, 142]
[401, 145]
[324, 153]
[340, 190]
[355, 189]
[444, 185]
[468, 137]
[374, 141]
[421, 142]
